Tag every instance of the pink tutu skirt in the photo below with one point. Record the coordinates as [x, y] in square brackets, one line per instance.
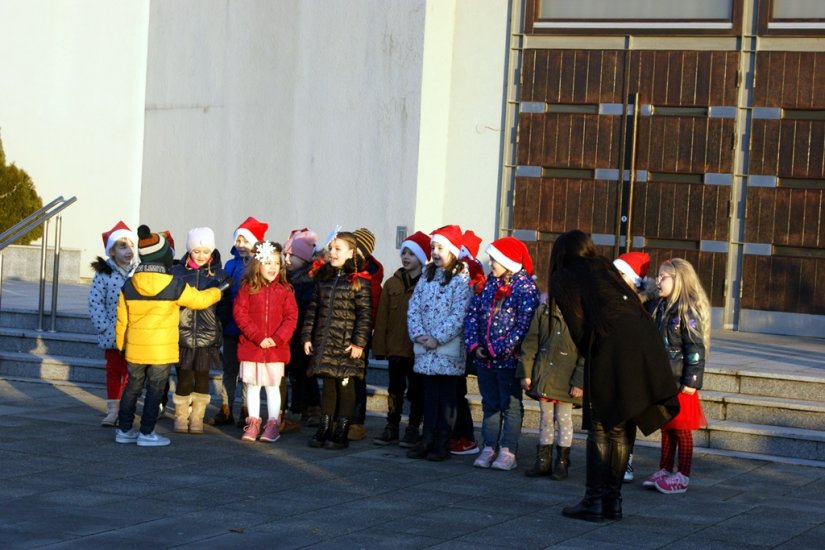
[690, 415]
[261, 374]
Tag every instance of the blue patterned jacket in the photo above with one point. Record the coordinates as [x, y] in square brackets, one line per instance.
[500, 325]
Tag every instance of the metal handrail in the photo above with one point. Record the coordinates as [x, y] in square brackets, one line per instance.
[22, 228]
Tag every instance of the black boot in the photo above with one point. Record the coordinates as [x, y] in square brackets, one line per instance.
[544, 462]
[323, 433]
[441, 448]
[388, 436]
[423, 447]
[562, 463]
[598, 449]
[619, 455]
[339, 439]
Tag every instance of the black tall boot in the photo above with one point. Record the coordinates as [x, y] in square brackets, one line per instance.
[390, 433]
[323, 433]
[562, 463]
[423, 447]
[619, 455]
[441, 448]
[590, 508]
[338, 439]
[544, 462]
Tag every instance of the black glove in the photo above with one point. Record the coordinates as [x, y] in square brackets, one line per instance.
[226, 283]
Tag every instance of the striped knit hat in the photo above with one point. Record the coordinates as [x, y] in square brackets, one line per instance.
[153, 248]
[365, 240]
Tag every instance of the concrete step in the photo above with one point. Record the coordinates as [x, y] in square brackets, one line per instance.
[767, 384]
[64, 322]
[15, 364]
[49, 343]
[769, 411]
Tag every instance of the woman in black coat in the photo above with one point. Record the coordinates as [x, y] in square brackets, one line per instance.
[627, 373]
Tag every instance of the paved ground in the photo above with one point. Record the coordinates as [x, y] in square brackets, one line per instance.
[64, 483]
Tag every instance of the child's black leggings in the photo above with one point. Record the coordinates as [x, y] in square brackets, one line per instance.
[338, 400]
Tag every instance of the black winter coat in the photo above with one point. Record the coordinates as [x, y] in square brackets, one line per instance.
[338, 316]
[203, 328]
[303, 286]
[627, 372]
[686, 351]
[550, 359]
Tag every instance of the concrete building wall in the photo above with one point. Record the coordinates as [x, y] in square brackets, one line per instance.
[178, 114]
[72, 76]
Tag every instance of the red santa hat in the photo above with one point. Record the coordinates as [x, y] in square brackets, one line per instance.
[119, 231]
[252, 230]
[449, 237]
[633, 264]
[512, 254]
[419, 244]
[470, 245]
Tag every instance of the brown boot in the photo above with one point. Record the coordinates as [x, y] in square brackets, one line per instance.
[223, 418]
[357, 432]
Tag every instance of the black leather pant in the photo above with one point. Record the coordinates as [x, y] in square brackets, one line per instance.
[607, 453]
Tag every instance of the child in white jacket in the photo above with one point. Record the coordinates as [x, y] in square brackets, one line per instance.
[120, 245]
[435, 320]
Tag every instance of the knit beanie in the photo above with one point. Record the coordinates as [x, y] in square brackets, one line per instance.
[200, 237]
[153, 248]
[301, 243]
[365, 240]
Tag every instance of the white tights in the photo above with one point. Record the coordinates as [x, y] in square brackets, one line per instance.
[273, 400]
[556, 417]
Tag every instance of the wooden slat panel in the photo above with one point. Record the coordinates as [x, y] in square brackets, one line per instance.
[612, 72]
[607, 142]
[796, 217]
[566, 76]
[749, 276]
[592, 92]
[577, 144]
[557, 207]
[802, 76]
[759, 215]
[767, 132]
[814, 217]
[756, 160]
[703, 64]
[715, 214]
[538, 135]
[818, 82]
[816, 150]
[604, 212]
[687, 90]
[528, 74]
[787, 130]
[781, 217]
[807, 284]
[523, 147]
[541, 69]
[526, 203]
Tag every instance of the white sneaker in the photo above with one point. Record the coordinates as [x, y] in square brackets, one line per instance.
[152, 440]
[488, 454]
[505, 461]
[126, 437]
[628, 473]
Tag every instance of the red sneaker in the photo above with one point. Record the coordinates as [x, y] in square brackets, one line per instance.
[463, 446]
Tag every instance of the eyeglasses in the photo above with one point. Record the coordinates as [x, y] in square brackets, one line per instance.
[665, 276]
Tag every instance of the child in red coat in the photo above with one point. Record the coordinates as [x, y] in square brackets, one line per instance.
[266, 313]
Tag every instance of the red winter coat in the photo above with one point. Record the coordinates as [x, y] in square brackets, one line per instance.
[269, 313]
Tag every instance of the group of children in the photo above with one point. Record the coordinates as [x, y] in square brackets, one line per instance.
[310, 312]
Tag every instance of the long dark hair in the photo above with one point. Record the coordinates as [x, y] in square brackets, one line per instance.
[572, 244]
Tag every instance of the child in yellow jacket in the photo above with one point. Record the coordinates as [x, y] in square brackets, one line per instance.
[146, 332]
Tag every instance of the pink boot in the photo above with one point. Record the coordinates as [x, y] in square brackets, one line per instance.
[271, 433]
[250, 431]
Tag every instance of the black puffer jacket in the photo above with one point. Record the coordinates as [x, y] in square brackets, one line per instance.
[550, 359]
[202, 328]
[338, 316]
[686, 351]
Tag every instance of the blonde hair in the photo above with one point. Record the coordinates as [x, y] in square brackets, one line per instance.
[688, 299]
